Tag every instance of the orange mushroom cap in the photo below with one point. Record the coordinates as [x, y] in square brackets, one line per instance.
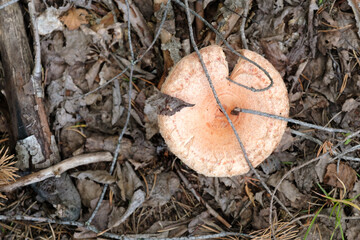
[201, 135]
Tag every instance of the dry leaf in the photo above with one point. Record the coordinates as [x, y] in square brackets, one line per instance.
[250, 194]
[128, 181]
[166, 184]
[74, 18]
[88, 190]
[102, 216]
[105, 22]
[346, 174]
[49, 21]
[100, 176]
[349, 105]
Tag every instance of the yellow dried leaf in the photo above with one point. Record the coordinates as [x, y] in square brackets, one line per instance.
[249, 194]
[74, 18]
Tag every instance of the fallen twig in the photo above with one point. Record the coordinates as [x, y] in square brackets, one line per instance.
[243, 22]
[57, 169]
[305, 124]
[115, 236]
[117, 150]
[36, 74]
[8, 4]
[301, 134]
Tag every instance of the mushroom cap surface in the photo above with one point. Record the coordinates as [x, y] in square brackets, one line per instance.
[201, 135]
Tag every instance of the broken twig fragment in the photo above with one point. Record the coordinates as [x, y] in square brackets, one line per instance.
[57, 169]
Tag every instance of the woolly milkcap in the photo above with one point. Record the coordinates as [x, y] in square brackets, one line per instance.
[201, 135]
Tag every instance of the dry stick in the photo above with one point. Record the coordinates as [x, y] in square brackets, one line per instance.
[115, 236]
[301, 134]
[200, 199]
[116, 154]
[36, 74]
[8, 4]
[57, 169]
[243, 22]
[225, 113]
[305, 124]
[305, 164]
[351, 159]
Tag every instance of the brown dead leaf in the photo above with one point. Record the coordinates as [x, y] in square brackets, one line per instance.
[349, 105]
[274, 54]
[162, 188]
[286, 142]
[346, 174]
[114, 216]
[250, 194]
[100, 176]
[289, 189]
[88, 190]
[102, 216]
[128, 181]
[74, 18]
[105, 22]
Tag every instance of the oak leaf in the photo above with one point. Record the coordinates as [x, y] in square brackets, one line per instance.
[74, 18]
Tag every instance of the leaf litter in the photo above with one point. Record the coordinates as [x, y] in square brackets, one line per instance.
[314, 47]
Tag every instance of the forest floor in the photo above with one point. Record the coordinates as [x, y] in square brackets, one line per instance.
[90, 101]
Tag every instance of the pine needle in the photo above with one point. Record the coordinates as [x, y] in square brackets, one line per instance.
[7, 170]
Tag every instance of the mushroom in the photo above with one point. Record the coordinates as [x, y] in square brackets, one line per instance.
[201, 135]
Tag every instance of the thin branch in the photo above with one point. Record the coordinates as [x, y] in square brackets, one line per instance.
[57, 169]
[37, 73]
[301, 134]
[309, 125]
[8, 4]
[115, 236]
[249, 88]
[117, 150]
[243, 22]
[351, 159]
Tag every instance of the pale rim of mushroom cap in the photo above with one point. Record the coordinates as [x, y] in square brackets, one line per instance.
[200, 135]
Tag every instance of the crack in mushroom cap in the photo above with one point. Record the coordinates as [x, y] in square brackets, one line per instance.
[200, 135]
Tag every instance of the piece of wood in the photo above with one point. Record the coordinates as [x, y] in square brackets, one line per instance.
[27, 112]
